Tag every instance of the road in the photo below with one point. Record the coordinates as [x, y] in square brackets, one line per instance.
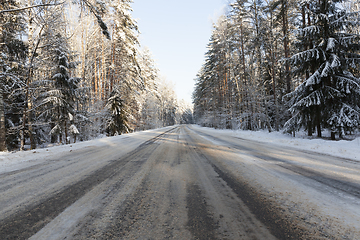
[182, 183]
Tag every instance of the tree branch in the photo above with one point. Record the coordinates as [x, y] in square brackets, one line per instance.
[35, 6]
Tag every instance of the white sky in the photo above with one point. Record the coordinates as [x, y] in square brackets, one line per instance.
[177, 33]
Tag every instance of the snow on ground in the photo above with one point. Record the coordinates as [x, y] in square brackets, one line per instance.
[12, 161]
[345, 149]
[342, 148]
[330, 210]
[295, 193]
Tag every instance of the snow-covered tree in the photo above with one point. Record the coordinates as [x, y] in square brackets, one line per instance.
[186, 113]
[12, 57]
[59, 100]
[39, 90]
[212, 93]
[58, 93]
[63, 97]
[229, 91]
[150, 96]
[329, 97]
[118, 122]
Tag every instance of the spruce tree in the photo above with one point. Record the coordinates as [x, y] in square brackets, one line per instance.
[12, 57]
[329, 96]
[58, 101]
[117, 122]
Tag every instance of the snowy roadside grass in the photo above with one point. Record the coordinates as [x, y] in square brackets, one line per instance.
[341, 148]
[12, 161]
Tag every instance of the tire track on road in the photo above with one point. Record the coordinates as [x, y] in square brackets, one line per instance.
[339, 185]
[263, 209]
[24, 224]
[200, 223]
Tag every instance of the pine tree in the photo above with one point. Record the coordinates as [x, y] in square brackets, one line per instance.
[229, 92]
[206, 88]
[329, 97]
[127, 73]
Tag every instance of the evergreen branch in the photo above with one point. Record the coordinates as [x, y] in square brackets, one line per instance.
[101, 23]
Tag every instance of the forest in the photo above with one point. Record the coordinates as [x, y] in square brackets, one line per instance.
[283, 65]
[74, 70]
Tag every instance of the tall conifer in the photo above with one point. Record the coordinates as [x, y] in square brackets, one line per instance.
[329, 97]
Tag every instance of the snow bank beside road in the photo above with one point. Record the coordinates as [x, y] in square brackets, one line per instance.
[12, 161]
[342, 148]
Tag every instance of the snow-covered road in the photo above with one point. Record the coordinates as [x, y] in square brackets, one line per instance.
[317, 192]
[182, 182]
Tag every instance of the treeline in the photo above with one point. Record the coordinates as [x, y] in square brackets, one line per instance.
[74, 70]
[282, 64]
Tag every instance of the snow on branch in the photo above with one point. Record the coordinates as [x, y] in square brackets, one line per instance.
[327, 70]
[332, 93]
[314, 98]
[306, 56]
[34, 6]
[347, 116]
[293, 123]
[101, 23]
[310, 30]
[348, 84]
[55, 130]
[335, 61]
[73, 129]
[331, 43]
[314, 79]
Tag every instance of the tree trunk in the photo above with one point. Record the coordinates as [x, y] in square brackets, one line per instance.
[22, 131]
[275, 97]
[285, 28]
[333, 136]
[112, 67]
[103, 70]
[2, 125]
[318, 121]
[96, 79]
[244, 89]
[53, 137]
[273, 62]
[27, 115]
[309, 125]
[31, 135]
[28, 103]
[66, 133]
[318, 128]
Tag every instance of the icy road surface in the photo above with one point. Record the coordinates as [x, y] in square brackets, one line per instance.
[182, 182]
